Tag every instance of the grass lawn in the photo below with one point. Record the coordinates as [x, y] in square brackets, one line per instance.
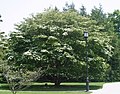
[44, 92]
[65, 88]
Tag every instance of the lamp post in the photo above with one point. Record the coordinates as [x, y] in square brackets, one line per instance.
[86, 59]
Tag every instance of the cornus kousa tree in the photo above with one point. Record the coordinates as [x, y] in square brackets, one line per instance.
[54, 42]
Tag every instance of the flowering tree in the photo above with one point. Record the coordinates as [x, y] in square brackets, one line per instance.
[20, 78]
[53, 40]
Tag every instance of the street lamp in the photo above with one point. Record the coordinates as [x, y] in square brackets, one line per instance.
[86, 59]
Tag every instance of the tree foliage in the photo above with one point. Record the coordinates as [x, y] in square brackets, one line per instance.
[20, 78]
[115, 19]
[83, 11]
[98, 15]
[70, 7]
[53, 40]
[3, 49]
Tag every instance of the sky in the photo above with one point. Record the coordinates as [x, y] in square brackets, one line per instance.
[13, 11]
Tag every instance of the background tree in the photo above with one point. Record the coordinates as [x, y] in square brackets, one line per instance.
[114, 19]
[114, 61]
[110, 24]
[69, 7]
[83, 11]
[98, 15]
[3, 47]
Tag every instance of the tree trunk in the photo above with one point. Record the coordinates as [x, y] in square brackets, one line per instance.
[57, 81]
[13, 92]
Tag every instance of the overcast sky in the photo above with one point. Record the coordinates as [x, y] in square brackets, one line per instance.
[13, 11]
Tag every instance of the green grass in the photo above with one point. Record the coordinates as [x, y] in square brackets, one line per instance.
[44, 92]
[65, 88]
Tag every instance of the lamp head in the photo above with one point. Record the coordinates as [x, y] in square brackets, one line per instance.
[85, 34]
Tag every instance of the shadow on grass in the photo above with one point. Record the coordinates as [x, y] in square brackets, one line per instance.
[67, 87]
[4, 87]
[60, 88]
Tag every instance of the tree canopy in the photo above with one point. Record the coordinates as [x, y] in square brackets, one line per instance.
[53, 40]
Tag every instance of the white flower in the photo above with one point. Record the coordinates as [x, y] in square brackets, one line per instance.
[10, 57]
[44, 51]
[65, 34]
[28, 53]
